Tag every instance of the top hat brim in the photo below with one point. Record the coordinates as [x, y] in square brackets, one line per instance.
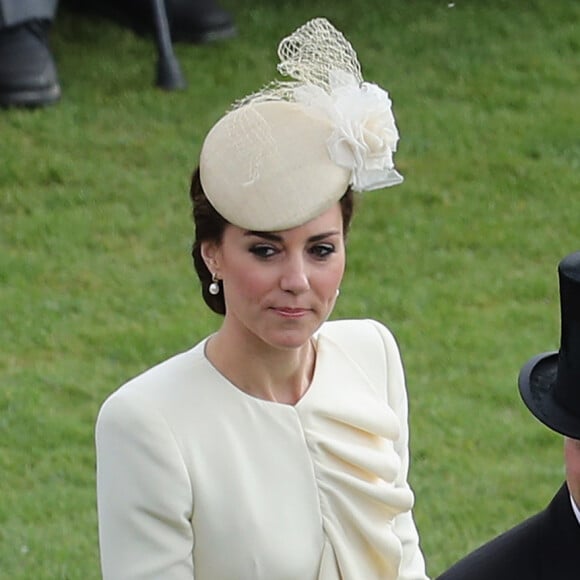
[537, 382]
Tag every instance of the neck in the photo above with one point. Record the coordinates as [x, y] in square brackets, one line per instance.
[263, 371]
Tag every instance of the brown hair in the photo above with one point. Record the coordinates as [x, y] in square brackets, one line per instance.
[210, 226]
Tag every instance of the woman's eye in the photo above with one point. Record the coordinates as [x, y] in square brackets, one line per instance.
[322, 250]
[263, 251]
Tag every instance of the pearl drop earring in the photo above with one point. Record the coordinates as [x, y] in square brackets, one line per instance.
[214, 287]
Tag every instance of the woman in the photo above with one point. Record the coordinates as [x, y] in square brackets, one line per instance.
[276, 448]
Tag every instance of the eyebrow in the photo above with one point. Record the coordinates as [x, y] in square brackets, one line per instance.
[278, 238]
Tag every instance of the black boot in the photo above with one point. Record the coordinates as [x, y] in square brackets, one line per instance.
[28, 76]
[195, 21]
[199, 21]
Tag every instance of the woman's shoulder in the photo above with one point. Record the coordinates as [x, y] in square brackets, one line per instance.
[163, 381]
[361, 332]
[370, 346]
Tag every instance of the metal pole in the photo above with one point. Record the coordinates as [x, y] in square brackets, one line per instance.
[169, 76]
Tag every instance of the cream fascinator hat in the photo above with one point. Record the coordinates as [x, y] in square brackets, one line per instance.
[285, 154]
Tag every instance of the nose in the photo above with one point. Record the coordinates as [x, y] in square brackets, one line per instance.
[294, 277]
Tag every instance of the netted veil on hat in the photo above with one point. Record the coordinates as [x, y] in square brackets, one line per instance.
[284, 155]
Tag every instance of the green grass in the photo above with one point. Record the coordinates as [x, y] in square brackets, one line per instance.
[460, 261]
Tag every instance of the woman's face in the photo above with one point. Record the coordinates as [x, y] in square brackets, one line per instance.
[279, 287]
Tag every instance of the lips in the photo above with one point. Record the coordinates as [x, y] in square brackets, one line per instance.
[291, 312]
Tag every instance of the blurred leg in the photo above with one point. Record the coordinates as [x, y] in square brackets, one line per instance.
[13, 12]
[28, 75]
[194, 21]
[199, 21]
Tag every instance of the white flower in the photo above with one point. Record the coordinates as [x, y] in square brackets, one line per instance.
[365, 135]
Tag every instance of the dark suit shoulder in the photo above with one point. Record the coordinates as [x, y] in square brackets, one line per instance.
[543, 547]
[508, 556]
[560, 561]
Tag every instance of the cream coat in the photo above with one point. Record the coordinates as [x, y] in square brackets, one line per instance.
[197, 479]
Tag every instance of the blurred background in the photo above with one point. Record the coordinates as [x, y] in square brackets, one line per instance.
[460, 261]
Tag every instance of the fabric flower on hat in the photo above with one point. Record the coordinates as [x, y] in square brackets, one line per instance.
[365, 135]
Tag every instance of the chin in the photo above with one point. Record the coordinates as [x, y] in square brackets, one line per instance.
[290, 339]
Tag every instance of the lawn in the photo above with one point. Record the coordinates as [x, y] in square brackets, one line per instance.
[460, 261]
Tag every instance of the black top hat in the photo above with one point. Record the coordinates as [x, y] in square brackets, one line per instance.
[550, 383]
